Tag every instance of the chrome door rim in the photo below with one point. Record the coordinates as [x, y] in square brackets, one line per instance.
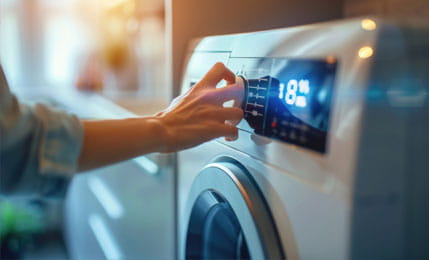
[235, 184]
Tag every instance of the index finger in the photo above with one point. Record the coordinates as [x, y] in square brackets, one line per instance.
[217, 73]
[231, 92]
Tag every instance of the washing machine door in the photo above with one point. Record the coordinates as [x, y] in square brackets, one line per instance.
[228, 217]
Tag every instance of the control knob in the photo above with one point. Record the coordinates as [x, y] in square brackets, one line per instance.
[255, 101]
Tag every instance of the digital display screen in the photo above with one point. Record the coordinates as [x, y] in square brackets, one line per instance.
[291, 100]
[299, 102]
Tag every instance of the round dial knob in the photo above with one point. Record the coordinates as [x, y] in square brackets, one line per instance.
[255, 101]
[239, 100]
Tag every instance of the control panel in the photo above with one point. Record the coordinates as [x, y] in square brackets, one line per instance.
[287, 99]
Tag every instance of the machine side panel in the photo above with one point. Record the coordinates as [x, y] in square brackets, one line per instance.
[387, 181]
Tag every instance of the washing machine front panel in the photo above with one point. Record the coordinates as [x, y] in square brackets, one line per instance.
[303, 213]
[304, 96]
[305, 185]
[322, 197]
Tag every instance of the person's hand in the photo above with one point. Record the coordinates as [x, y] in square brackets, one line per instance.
[199, 115]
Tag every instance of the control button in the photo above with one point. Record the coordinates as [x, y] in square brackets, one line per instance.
[254, 101]
[286, 115]
[292, 135]
[239, 100]
[274, 123]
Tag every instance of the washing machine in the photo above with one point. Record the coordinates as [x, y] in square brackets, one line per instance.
[331, 159]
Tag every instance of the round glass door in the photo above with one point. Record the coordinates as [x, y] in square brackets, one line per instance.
[228, 217]
[214, 231]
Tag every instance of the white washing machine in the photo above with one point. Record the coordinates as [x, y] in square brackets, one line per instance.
[331, 161]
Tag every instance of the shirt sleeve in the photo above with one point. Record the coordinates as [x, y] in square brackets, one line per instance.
[37, 143]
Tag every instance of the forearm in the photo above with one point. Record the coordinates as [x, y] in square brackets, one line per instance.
[110, 141]
[196, 117]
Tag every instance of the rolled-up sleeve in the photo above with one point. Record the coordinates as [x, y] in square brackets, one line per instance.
[37, 143]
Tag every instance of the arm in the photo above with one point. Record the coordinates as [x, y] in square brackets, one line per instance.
[196, 117]
[109, 141]
[36, 142]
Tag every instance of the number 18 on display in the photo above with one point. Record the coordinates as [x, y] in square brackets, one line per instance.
[295, 92]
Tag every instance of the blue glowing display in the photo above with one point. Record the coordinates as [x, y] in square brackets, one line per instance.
[289, 99]
[299, 102]
[295, 93]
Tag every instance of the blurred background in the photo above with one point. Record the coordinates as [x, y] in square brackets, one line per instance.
[112, 46]
[120, 45]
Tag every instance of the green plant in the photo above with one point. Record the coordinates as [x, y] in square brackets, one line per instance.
[18, 226]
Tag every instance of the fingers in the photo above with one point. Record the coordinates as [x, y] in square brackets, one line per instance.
[217, 73]
[230, 132]
[230, 92]
[230, 116]
[227, 131]
[229, 113]
[238, 101]
[220, 122]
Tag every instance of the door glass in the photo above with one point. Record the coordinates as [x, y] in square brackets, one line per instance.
[214, 231]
